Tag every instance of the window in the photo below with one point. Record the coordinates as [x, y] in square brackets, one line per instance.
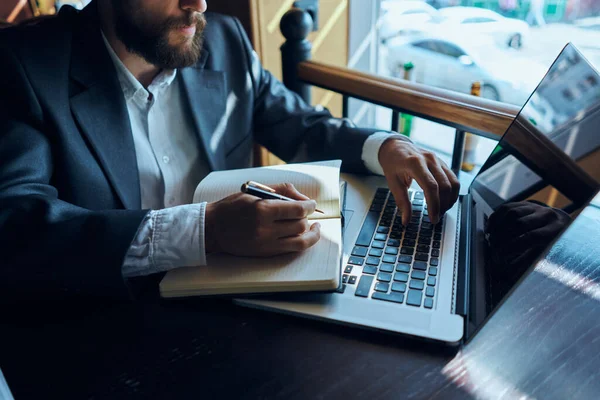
[478, 20]
[512, 48]
[450, 50]
[426, 44]
[409, 12]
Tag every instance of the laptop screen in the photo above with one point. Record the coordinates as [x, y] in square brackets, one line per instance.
[543, 172]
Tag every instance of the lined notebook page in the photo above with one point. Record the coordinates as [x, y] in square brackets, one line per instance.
[314, 269]
[318, 180]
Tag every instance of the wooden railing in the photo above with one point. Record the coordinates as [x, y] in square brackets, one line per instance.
[474, 114]
[463, 112]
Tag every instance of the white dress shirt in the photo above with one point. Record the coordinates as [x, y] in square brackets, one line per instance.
[170, 166]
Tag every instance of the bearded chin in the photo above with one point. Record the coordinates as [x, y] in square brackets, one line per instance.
[169, 56]
[151, 42]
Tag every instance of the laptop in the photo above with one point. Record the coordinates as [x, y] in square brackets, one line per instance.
[443, 282]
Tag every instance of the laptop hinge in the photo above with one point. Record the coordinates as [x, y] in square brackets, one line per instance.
[464, 259]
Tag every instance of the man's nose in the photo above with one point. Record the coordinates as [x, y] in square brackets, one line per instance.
[193, 5]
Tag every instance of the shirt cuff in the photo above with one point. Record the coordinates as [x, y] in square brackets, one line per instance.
[167, 239]
[370, 151]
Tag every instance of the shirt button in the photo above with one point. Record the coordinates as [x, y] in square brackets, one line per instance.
[166, 159]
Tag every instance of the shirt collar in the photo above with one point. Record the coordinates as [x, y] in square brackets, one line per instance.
[129, 84]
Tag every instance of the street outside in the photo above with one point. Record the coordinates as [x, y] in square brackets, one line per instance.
[542, 45]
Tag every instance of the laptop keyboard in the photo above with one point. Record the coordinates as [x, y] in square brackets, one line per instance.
[400, 263]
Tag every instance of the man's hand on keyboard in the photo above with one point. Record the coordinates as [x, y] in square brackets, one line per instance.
[248, 226]
[402, 162]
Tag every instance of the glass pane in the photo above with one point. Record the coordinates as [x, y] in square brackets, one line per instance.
[506, 45]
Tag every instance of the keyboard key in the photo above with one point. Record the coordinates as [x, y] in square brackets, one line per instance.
[412, 228]
[423, 248]
[414, 298]
[359, 251]
[378, 245]
[405, 259]
[352, 279]
[393, 242]
[348, 269]
[403, 268]
[399, 287]
[431, 281]
[364, 286]
[376, 208]
[383, 229]
[380, 236]
[428, 303]
[369, 269]
[382, 287]
[429, 292]
[375, 252]
[344, 278]
[417, 203]
[409, 242]
[384, 223]
[433, 271]
[420, 265]
[426, 234]
[398, 227]
[435, 253]
[389, 259]
[424, 240]
[384, 277]
[418, 275]
[419, 285]
[396, 235]
[385, 267]
[372, 261]
[356, 261]
[436, 244]
[401, 277]
[410, 235]
[437, 236]
[368, 228]
[341, 289]
[393, 297]
[391, 250]
[434, 262]
[419, 195]
[422, 257]
[407, 250]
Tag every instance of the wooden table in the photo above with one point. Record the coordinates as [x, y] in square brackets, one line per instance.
[543, 343]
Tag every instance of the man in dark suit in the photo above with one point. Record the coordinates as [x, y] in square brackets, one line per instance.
[111, 116]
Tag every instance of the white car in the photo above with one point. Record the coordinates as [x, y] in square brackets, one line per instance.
[456, 64]
[405, 16]
[477, 21]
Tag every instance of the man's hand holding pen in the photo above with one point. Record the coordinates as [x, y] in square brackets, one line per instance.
[259, 227]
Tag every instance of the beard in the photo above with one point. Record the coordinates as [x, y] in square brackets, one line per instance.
[150, 40]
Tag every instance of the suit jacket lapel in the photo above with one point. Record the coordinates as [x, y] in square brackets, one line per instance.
[101, 111]
[205, 92]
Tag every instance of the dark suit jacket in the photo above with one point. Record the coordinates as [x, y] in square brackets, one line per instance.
[69, 185]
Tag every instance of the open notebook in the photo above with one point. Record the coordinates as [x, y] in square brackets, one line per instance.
[317, 268]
